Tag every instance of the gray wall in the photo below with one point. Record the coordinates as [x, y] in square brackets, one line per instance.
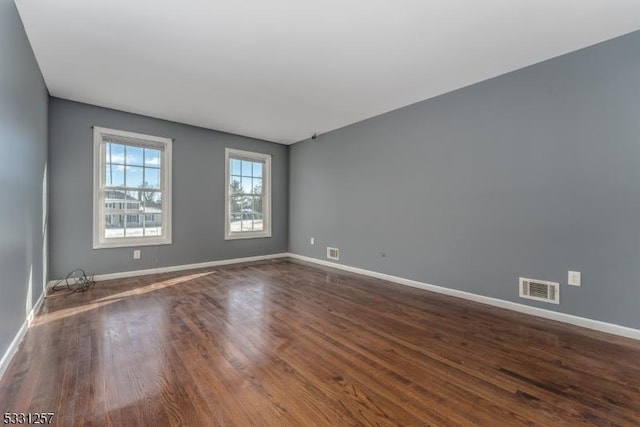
[529, 174]
[23, 155]
[198, 193]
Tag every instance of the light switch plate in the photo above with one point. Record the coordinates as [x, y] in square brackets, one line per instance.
[136, 254]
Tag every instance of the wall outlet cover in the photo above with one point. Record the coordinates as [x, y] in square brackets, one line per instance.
[574, 278]
[136, 254]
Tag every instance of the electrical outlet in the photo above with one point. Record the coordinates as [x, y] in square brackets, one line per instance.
[312, 241]
[136, 254]
[574, 278]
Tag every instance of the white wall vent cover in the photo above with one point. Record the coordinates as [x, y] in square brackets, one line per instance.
[333, 253]
[540, 290]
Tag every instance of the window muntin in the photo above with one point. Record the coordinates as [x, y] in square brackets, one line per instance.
[132, 181]
[248, 195]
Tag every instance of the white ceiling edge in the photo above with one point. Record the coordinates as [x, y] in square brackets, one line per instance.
[239, 132]
[280, 72]
[469, 83]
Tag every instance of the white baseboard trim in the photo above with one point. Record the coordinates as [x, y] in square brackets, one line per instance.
[35, 309]
[15, 344]
[126, 274]
[584, 322]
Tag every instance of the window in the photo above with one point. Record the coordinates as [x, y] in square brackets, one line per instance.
[132, 178]
[248, 195]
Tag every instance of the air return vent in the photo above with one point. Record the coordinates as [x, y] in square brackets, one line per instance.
[540, 290]
[333, 253]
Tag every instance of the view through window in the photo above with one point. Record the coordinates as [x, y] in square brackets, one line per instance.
[248, 204]
[133, 183]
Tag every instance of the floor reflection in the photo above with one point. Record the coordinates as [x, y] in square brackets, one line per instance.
[52, 316]
[245, 318]
[132, 347]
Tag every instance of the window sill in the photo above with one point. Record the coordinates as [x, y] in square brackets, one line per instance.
[237, 236]
[131, 242]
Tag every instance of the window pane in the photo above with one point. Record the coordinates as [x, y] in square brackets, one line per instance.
[133, 200]
[247, 203]
[134, 156]
[114, 226]
[152, 178]
[257, 206]
[115, 153]
[247, 222]
[133, 225]
[247, 187]
[246, 168]
[248, 213]
[114, 195]
[257, 169]
[151, 157]
[151, 199]
[258, 223]
[134, 177]
[235, 167]
[152, 202]
[107, 152]
[235, 213]
[236, 187]
[152, 224]
[257, 186]
[236, 203]
[114, 175]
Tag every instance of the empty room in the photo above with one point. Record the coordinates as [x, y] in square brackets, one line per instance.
[336, 213]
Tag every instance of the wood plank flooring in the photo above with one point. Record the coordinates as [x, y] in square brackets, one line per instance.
[282, 343]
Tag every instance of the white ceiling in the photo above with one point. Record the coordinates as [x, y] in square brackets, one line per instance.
[281, 70]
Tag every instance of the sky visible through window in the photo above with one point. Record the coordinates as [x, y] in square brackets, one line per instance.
[248, 174]
[132, 167]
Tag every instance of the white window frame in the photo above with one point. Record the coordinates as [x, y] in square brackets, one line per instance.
[99, 164]
[231, 153]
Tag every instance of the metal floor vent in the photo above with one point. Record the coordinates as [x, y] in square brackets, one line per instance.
[333, 253]
[540, 290]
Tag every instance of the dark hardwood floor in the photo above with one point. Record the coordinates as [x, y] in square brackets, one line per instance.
[282, 343]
